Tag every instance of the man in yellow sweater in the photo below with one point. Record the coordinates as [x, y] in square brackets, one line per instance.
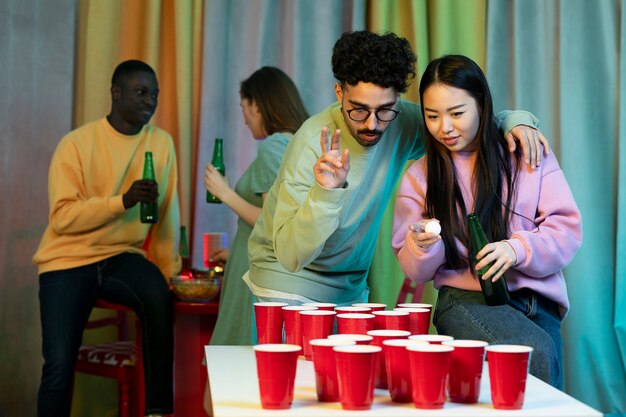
[92, 247]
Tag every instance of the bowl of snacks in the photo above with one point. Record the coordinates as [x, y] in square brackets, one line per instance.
[201, 286]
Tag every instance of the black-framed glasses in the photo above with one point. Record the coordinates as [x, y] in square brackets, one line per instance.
[361, 114]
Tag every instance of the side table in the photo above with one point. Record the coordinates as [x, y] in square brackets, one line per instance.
[193, 327]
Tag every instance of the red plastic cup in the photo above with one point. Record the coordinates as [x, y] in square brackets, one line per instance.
[356, 366]
[430, 366]
[325, 366]
[212, 241]
[433, 339]
[415, 305]
[359, 339]
[322, 306]
[466, 369]
[372, 306]
[276, 370]
[316, 324]
[355, 323]
[379, 337]
[508, 368]
[424, 325]
[293, 328]
[419, 319]
[352, 309]
[398, 373]
[391, 320]
[269, 322]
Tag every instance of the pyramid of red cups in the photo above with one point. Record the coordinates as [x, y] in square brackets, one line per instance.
[357, 349]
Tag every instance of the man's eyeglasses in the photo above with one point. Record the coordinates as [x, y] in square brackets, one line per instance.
[360, 114]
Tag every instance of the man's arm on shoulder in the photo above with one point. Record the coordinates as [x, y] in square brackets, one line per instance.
[522, 126]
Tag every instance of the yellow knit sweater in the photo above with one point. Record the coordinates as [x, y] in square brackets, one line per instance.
[92, 167]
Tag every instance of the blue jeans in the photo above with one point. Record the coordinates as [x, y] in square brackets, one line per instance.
[66, 298]
[529, 319]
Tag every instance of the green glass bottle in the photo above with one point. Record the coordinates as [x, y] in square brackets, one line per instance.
[218, 163]
[184, 252]
[495, 293]
[149, 212]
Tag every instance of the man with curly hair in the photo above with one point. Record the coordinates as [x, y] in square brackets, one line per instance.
[316, 235]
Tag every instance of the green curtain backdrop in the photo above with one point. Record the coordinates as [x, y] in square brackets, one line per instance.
[562, 60]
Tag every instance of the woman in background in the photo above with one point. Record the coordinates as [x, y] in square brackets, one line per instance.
[529, 216]
[273, 111]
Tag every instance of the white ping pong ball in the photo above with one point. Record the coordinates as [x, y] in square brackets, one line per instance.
[433, 227]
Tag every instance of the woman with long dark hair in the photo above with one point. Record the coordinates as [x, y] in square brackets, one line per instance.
[529, 216]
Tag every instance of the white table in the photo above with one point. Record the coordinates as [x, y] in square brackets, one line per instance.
[235, 393]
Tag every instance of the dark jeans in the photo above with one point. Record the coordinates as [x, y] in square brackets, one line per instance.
[529, 319]
[66, 298]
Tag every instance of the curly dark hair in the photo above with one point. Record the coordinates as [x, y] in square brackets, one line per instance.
[386, 60]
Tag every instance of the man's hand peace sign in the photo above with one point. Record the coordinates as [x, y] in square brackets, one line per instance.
[331, 169]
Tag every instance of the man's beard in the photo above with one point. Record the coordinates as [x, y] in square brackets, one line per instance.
[363, 142]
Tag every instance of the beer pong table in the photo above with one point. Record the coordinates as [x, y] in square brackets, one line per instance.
[235, 393]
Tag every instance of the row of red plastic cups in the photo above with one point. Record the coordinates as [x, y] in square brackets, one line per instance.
[318, 320]
[348, 372]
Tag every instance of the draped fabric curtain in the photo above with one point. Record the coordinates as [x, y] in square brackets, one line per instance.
[165, 34]
[562, 60]
[240, 37]
[36, 76]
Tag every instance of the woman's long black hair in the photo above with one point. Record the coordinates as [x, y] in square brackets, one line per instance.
[495, 171]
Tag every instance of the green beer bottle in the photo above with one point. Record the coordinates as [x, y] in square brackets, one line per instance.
[149, 212]
[495, 293]
[218, 163]
[184, 252]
